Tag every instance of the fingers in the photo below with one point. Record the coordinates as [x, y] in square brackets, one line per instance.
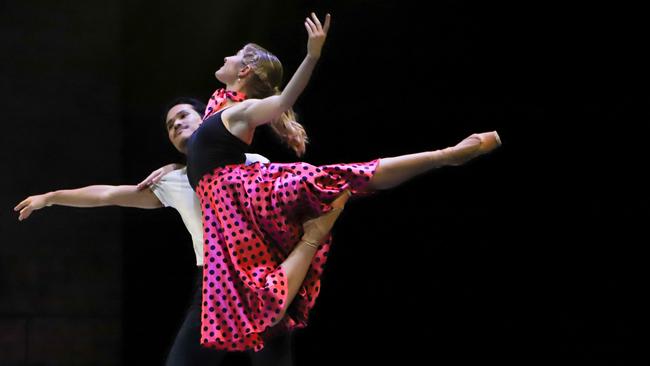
[316, 21]
[308, 29]
[154, 177]
[21, 205]
[314, 26]
[320, 27]
[24, 213]
[311, 27]
[145, 183]
[327, 23]
[157, 178]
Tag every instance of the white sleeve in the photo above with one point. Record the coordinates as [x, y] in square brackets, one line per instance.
[161, 190]
[254, 158]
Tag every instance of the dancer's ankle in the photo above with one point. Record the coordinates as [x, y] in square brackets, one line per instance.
[311, 244]
[440, 158]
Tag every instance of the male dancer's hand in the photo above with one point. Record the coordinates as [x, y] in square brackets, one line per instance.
[157, 175]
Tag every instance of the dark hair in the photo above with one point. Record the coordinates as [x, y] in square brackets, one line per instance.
[196, 104]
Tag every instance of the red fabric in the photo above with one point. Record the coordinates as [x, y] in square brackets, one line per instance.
[252, 219]
[219, 99]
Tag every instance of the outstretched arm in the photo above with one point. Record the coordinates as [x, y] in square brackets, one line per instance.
[91, 196]
[260, 111]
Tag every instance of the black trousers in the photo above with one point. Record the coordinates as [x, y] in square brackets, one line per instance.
[186, 350]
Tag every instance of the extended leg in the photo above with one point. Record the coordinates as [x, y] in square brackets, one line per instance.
[392, 172]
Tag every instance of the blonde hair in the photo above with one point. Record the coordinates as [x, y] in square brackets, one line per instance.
[265, 82]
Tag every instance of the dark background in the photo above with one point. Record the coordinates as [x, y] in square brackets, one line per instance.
[534, 254]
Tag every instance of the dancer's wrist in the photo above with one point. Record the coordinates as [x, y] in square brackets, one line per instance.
[49, 198]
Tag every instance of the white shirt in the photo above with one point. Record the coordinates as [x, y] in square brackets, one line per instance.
[174, 190]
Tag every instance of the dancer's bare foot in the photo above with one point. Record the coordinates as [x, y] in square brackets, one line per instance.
[317, 229]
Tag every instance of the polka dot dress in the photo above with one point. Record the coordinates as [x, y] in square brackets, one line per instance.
[252, 219]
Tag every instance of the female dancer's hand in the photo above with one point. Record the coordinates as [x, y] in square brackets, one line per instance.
[317, 34]
[31, 203]
[157, 175]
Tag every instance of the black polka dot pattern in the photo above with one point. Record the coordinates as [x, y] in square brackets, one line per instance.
[253, 218]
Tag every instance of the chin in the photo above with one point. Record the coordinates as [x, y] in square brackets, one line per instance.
[180, 143]
[219, 79]
[181, 147]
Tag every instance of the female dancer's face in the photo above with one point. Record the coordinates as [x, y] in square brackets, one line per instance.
[232, 65]
[182, 120]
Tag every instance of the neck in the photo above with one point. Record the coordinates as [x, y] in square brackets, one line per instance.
[237, 86]
[229, 103]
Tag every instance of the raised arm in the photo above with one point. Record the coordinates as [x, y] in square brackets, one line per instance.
[260, 111]
[91, 196]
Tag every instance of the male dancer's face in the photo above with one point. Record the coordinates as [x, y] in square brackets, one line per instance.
[181, 122]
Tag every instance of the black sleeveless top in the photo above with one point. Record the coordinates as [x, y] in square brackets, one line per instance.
[212, 146]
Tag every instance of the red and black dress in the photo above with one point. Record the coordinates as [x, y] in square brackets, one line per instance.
[252, 219]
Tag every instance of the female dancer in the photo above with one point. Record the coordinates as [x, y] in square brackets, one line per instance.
[252, 215]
